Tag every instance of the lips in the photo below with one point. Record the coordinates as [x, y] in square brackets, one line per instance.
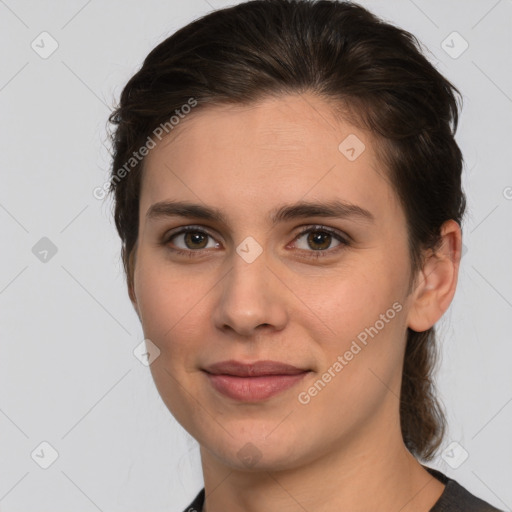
[257, 369]
[253, 382]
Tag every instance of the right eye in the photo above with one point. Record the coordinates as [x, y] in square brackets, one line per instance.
[190, 240]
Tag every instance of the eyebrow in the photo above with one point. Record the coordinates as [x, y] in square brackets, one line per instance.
[300, 210]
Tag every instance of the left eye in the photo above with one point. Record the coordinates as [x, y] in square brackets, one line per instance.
[319, 239]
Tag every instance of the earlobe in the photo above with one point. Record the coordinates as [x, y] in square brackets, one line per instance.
[437, 281]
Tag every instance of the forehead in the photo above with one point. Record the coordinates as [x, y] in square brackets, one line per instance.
[277, 150]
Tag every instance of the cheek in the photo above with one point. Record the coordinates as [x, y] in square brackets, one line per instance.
[169, 305]
[354, 298]
[362, 354]
[364, 312]
[159, 297]
[172, 305]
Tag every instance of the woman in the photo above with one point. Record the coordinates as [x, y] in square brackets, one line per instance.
[288, 194]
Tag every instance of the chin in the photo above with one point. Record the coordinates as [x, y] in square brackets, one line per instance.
[248, 454]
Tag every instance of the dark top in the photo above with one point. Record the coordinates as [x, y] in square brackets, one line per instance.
[455, 498]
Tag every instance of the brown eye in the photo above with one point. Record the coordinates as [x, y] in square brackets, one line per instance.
[190, 239]
[195, 240]
[319, 240]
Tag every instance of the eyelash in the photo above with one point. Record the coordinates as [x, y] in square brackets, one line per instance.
[344, 242]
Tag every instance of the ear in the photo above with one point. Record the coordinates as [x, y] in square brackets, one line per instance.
[133, 298]
[131, 294]
[437, 280]
[130, 281]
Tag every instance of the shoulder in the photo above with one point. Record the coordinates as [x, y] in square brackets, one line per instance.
[456, 498]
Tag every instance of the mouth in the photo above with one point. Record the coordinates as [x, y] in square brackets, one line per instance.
[257, 369]
[253, 382]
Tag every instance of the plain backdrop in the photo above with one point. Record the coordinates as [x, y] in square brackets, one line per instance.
[68, 375]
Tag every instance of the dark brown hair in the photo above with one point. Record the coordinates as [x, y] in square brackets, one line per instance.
[371, 72]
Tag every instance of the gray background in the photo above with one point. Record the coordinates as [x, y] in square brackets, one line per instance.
[68, 375]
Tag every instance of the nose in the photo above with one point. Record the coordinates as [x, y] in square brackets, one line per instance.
[251, 298]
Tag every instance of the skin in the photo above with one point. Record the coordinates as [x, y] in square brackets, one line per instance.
[343, 450]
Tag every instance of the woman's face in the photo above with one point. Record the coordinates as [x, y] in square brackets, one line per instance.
[252, 286]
